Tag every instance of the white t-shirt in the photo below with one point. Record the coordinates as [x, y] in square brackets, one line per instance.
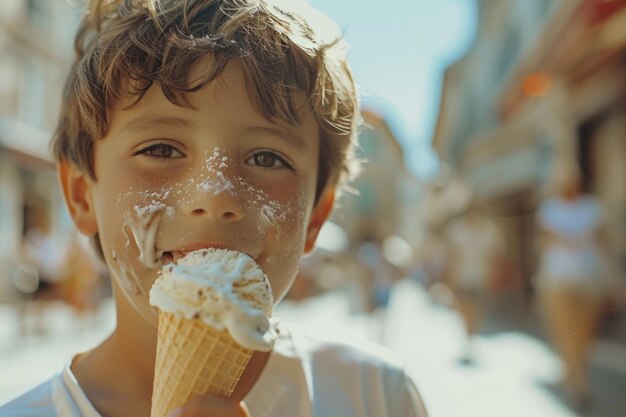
[573, 256]
[303, 377]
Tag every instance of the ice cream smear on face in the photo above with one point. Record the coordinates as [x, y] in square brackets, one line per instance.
[223, 288]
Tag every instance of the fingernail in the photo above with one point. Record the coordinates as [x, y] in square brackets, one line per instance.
[177, 412]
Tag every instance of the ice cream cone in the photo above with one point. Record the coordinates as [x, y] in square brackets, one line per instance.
[214, 308]
[193, 358]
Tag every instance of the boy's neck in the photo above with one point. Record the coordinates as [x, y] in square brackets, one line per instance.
[134, 342]
[119, 372]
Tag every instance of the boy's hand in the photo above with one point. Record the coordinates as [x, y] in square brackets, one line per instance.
[211, 406]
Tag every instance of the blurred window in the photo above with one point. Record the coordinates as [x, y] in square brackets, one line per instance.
[545, 8]
[8, 79]
[33, 95]
[509, 52]
[369, 142]
[366, 201]
[457, 146]
[10, 196]
[38, 12]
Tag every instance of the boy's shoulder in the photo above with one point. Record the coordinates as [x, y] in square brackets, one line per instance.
[38, 402]
[344, 375]
[339, 354]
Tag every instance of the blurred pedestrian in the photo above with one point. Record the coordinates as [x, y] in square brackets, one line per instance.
[38, 276]
[573, 278]
[382, 274]
[83, 276]
[446, 198]
[42, 251]
[476, 245]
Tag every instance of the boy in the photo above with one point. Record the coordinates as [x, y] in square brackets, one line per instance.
[194, 124]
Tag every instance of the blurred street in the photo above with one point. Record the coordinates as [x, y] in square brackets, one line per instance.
[515, 373]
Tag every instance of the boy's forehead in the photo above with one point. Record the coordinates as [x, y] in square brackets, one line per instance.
[233, 72]
[231, 80]
[228, 89]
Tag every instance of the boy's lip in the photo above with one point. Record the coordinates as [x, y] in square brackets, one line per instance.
[175, 254]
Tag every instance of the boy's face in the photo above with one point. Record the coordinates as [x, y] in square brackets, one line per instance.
[171, 180]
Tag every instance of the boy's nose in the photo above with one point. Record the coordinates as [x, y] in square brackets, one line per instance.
[225, 205]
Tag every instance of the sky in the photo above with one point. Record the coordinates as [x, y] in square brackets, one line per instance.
[398, 53]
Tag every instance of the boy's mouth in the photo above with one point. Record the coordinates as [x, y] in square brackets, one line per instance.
[173, 256]
[168, 257]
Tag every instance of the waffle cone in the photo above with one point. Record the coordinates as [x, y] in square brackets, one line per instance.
[192, 359]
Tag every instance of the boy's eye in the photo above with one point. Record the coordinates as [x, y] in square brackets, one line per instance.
[267, 159]
[160, 150]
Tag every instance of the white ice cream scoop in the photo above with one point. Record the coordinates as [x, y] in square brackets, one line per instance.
[223, 288]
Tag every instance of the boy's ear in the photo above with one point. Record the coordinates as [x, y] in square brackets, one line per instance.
[77, 192]
[321, 211]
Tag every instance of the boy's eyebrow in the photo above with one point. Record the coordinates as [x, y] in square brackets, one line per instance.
[150, 122]
[291, 137]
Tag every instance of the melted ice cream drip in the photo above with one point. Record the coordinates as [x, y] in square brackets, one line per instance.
[129, 281]
[143, 224]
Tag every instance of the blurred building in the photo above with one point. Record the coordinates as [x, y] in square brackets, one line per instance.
[385, 195]
[36, 43]
[369, 241]
[543, 79]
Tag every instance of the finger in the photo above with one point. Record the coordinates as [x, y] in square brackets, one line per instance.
[211, 406]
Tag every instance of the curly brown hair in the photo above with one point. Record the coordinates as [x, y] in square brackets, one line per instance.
[287, 48]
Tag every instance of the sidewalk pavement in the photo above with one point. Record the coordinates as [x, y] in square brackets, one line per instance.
[515, 373]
